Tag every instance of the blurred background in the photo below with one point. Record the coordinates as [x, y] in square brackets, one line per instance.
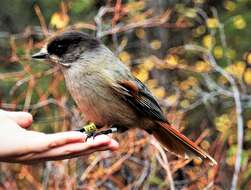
[194, 55]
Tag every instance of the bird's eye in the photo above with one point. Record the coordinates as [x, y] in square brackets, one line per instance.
[58, 47]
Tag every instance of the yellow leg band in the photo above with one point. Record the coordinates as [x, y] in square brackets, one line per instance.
[90, 128]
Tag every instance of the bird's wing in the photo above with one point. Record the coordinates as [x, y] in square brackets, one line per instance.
[139, 97]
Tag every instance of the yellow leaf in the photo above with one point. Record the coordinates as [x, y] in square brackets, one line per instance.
[240, 67]
[140, 33]
[184, 103]
[212, 23]
[229, 5]
[218, 52]
[189, 83]
[248, 58]
[192, 81]
[59, 20]
[249, 124]
[184, 85]
[134, 6]
[148, 64]
[208, 41]
[223, 122]
[190, 13]
[172, 99]
[171, 60]
[152, 83]
[155, 44]
[202, 66]
[125, 57]
[239, 22]
[159, 92]
[141, 74]
[199, 31]
[230, 53]
[237, 69]
[247, 76]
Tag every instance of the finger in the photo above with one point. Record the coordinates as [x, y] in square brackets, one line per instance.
[59, 139]
[112, 146]
[62, 138]
[77, 154]
[23, 119]
[69, 150]
[75, 148]
[35, 142]
[86, 153]
[33, 159]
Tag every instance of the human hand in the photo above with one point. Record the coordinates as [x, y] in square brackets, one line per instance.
[19, 145]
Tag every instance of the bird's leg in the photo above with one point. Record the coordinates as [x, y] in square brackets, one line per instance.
[112, 129]
[106, 132]
[91, 130]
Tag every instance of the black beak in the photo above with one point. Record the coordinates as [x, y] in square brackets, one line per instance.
[42, 54]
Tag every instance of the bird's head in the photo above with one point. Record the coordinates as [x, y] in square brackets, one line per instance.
[66, 48]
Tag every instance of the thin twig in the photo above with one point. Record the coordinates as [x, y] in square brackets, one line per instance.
[240, 129]
[31, 77]
[161, 157]
[46, 174]
[143, 176]
[41, 20]
[160, 20]
[238, 107]
[98, 19]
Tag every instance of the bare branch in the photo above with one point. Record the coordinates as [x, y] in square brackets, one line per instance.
[238, 107]
[161, 157]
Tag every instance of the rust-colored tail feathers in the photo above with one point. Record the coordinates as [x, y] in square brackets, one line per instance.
[177, 143]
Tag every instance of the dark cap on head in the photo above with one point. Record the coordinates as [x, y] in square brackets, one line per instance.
[67, 41]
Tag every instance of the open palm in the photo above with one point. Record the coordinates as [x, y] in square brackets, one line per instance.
[24, 146]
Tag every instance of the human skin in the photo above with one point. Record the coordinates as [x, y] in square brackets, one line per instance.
[20, 145]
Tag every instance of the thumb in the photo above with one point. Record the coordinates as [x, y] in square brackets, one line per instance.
[23, 119]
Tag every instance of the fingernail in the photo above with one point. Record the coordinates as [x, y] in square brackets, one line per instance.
[114, 144]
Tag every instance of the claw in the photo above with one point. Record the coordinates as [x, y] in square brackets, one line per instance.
[89, 135]
[89, 130]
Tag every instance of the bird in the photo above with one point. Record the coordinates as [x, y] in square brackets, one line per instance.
[107, 93]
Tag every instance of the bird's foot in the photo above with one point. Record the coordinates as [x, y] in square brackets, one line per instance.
[91, 130]
[103, 132]
[89, 135]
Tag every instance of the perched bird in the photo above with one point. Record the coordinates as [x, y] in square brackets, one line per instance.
[108, 94]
